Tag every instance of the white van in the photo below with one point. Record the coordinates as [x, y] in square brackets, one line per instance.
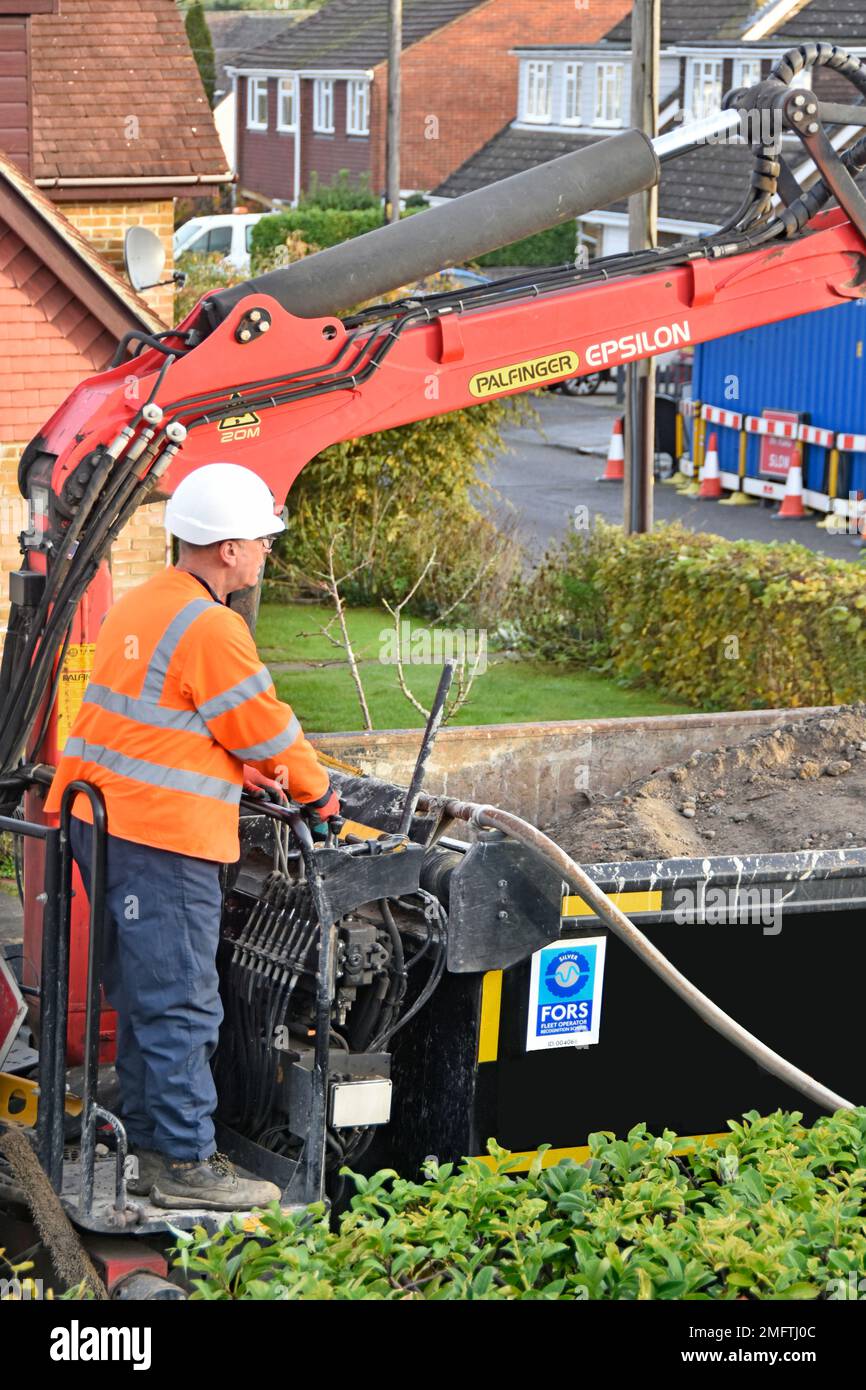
[228, 234]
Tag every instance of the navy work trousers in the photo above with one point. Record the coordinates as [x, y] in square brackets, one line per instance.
[159, 973]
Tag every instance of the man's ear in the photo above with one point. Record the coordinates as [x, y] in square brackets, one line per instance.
[228, 553]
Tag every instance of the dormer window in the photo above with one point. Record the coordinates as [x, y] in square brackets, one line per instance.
[286, 104]
[705, 95]
[257, 103]
[539, 92]
[358, 107]
[747, 72]
[323, 106]
[571, 93]
[608, 94]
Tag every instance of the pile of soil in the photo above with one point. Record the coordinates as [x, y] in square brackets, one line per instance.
[801, 786]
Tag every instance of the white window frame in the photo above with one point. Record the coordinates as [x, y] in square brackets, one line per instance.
[572, 81]
[256, 86]
[287, 90]
[539, 76]
[697, 79]
[357, 106]
[609, 83]
[739, 64]
[323, 106]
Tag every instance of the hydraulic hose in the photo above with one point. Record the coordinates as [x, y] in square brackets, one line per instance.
[493, 818]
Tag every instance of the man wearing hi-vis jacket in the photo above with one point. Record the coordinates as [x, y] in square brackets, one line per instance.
[180, 714]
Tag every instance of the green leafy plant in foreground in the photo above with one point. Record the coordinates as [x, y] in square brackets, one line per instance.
[774, 1210]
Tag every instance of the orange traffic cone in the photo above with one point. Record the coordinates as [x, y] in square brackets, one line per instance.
[711, 483]
[614, 471]
[792, 508]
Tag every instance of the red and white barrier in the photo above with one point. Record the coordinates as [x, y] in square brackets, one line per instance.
[782, 429]
[717, 416]
[790, 492]
[812, 434]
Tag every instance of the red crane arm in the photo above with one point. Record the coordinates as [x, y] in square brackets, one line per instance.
[260, 403]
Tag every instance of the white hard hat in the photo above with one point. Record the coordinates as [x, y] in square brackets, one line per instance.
[221, 502]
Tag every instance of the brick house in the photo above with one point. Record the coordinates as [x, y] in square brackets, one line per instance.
[102, 115]
[233, 33]
[571, 95]
[102, 106]
[314, 97]
[63, 310]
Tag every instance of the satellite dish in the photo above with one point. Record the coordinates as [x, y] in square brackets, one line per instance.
[144, 257]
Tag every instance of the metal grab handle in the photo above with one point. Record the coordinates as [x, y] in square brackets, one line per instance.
[96, 929]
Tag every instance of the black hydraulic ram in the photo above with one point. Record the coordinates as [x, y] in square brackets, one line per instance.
[452, 233]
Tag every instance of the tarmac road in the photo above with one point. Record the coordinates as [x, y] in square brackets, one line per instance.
[544, 477]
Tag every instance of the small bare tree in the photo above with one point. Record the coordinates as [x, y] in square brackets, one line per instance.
[463, 682]
[330, 584]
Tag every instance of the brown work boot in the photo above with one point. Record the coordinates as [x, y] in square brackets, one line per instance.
[149, 1168]
[210, 1182]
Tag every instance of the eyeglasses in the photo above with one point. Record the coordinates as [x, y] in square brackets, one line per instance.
[266, 541]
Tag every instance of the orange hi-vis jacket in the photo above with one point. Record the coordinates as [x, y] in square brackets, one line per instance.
[177, 702]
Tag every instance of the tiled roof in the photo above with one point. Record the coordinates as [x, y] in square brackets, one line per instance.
[139, 311]
[837, 21]
[234, 32]
[63, 309]
[353, 33]
[702, 186]
[116, 93]
[78, 243]
[683, 21]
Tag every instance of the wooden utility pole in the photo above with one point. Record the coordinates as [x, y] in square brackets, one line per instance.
[642, 233]
[395, 58]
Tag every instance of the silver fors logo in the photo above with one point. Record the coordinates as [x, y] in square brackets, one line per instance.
[666, 336]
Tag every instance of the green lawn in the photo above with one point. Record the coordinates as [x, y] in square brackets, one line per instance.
[508, 692]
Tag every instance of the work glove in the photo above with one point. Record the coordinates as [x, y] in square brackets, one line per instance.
[263, 788]
[317, 817]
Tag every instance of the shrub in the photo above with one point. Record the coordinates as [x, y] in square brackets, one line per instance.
[7, 856]
[317, 225]
[389, 498]
[722, 624]
[201, 46]
[203, 273]
[340, 193]
[775, 1211]
[553, 247]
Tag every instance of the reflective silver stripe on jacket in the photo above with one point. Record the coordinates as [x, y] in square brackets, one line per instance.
[145, 708]
[271, 746]
[145, 711]
[164, 650]
[155, 774]
[236, 694]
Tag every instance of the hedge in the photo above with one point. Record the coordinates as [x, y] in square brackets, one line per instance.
[772, 1211]
[721, 624]
[319, 227]
[553, 247]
